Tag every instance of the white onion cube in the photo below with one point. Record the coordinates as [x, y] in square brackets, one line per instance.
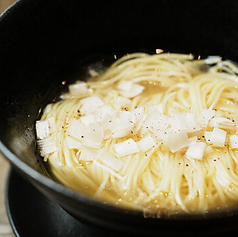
[155, 108]
[121, 102]
[221, 122]
[196, 150]
[185, 121]
[79, 89]
[92, 100]
[205, 116]
[178, 140]
[156, 122]
[89, 104]
[126, 148]
[146, 143]
[52, 125]
[93, 136]
[123, 125]
[110, 160]
[76, 129]
[135, 90]
[125, 85]
[88, 154]
[47, 146]
[73, 143]
[87, 119]
[234, 141]
[217, 137]
[42, 129]
[90, 135]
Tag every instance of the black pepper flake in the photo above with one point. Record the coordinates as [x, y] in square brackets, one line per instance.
[187, 164]
[82, 136]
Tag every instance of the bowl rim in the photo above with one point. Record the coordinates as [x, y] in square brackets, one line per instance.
[51, 184]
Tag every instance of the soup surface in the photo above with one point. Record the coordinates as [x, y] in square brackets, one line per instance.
[153, 132]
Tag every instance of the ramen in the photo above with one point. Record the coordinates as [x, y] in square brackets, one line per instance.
[152, 132]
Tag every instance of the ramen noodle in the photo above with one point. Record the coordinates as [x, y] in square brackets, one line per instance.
[154, 132]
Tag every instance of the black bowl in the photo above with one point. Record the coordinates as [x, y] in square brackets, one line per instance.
[44, 43]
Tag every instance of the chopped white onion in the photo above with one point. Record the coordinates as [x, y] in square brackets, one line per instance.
[178, 140]
[134, 91]
[52, 125]
[184, 121]
[123, 125]
[79, 89]
[110, 160]
[121, 102]
[138, 113]
[234, 141]
[125, 85]
[90, 135]
[140, 121]
[126, 148]
[93, 136]
[146, 143]
[87, 119]
[216, 138]
[89, 104]
[221, 122]
[106, 116]
[73, 143]
[157, 122]
[205, 116]
[92, 100]
[196, 150]
[42, 129]
[76, 129]
[47, 146]
[155, 108]
[88, 154]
